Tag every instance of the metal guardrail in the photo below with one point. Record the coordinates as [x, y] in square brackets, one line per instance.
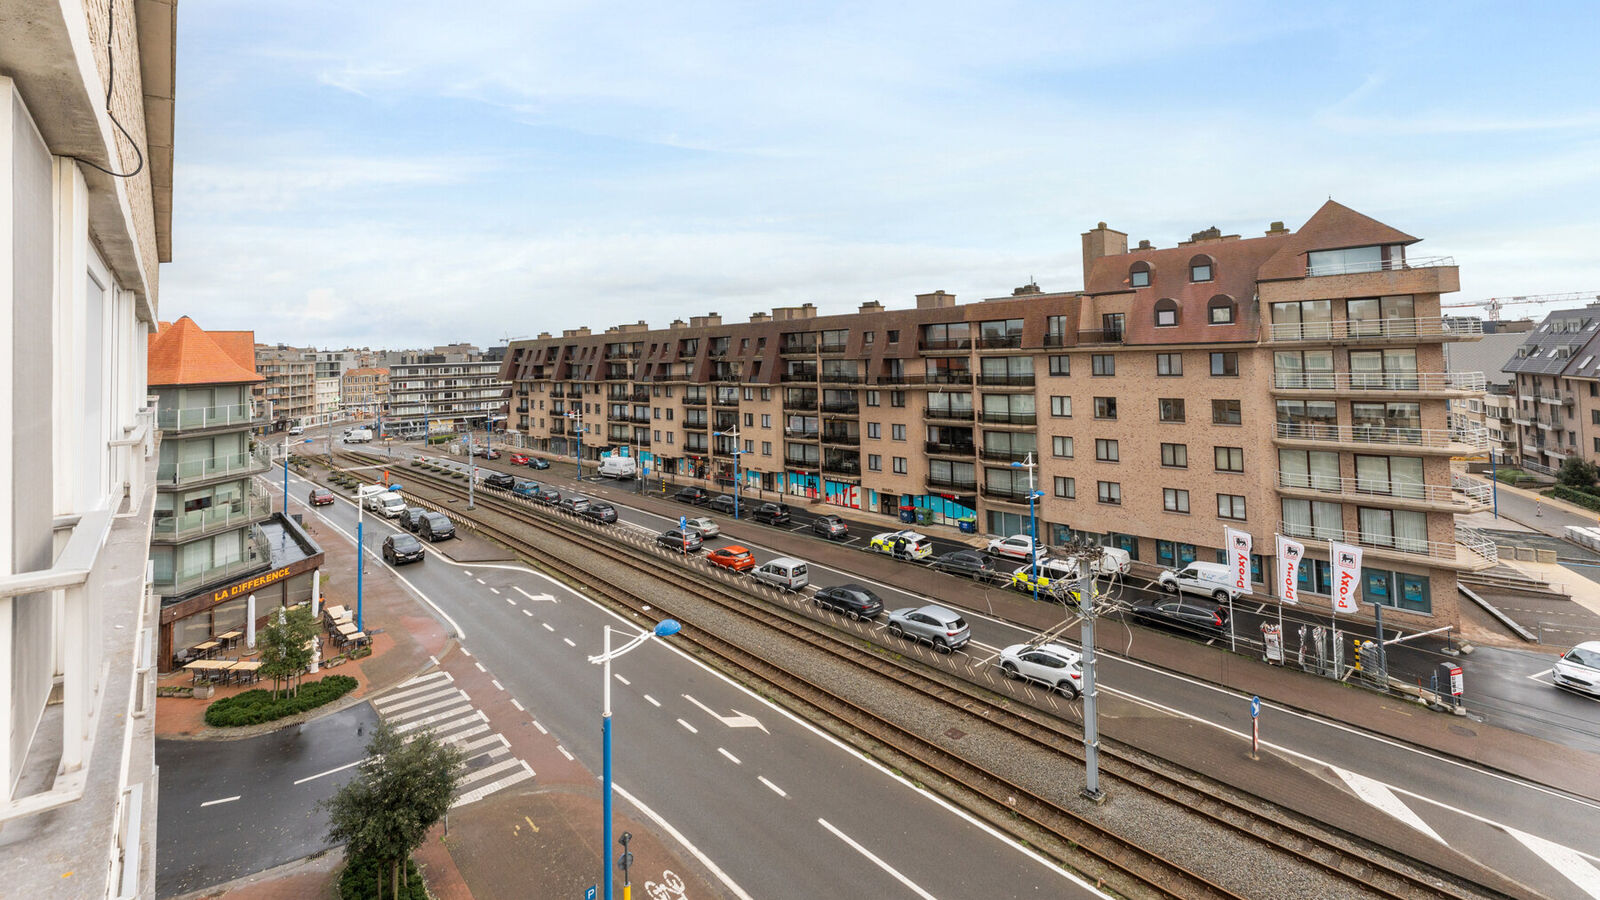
[1397, 265]
[1471, 539]
[1433, 438]
[257, 554]
[1474, 382]
[1461, 491]
[255, 505]
[1376, 329]
[241, 464]
[203, 417]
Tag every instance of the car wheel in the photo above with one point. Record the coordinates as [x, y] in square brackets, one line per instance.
[1009, 670]
[1170, 587]
[941, 645]
[1220, 596]
[896, 630]
[1068, 690]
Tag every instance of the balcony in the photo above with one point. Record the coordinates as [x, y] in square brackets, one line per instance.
[1339, 331]
[1437, 383]
[1371, 266]
[557, 427]
[945, 346]
[952, 483]
[1551, 399]
[800, 405]
[695, 424]
[831, 347]
[948, 377]
[849, 468]
[1055, 340]
[800, 349]
[640, 420]
[1359, 437]
[726, 401]
[1006, 494]
[1462, 495]
[801, 434]
[1005, 380]
[182, 526]
[936, 448]
[990, 455]
[182, 581]
[1009, 418]
[804, 375]
[193, 471]
[1094, 336]
[693, 401]
[640, 395]
[201, 418]
[827, 377]
[999, 342]
[800, 462]
[841, 438]
[841, 407]
[1470, 551]
[947, 414]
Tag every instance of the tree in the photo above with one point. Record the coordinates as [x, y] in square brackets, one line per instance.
[403, 790]
[284, 654]
[1576, 472]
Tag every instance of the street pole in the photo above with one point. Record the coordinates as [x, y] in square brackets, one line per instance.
[472, 469]
[1091, 728]
[605, 742]
[286, 476]
[1033, 523]
[1494, 485]
[361, 556]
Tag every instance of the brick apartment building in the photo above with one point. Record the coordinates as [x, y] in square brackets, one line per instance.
[288, 395]
[1557, 389]
[365, 389]
[1292, 383]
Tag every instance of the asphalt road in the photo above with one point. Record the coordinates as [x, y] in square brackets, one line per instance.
[233, 808]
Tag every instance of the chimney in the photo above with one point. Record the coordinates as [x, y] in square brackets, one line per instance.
[1277, 228]
[1025, 290]
[871, 306]
[935, 300]
[760, 317]
[544, 335]
[677, 323]
[1146, 245]
[1101, 241]
[709, 320]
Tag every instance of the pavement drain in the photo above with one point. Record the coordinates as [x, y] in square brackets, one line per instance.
[955, 734]
[1463, 731]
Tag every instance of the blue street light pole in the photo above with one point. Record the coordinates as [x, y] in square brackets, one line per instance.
[577, 447]
[1033, 521]
[664, 628]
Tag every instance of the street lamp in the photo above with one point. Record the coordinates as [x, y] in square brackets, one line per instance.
[577, 448]
[736, 451]
[1033, 521]
[664, 628]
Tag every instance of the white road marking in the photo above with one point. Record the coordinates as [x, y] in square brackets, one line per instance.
[653, 701]
[692, 729]
[466, 573]
[428, 677]
[481, 668]
[390, 705]
[537, 725]
[1565, 860]
[775, 789]
[434, 704]
[568, 642]
[223, 800]
[564, 752]
[511, 601]
[684, 842]
[527, 612]
[494, 590]
[621, 679]
[466, 652]
[521, 774]
[497, 685]
[330, 771]
[876, 861]
[547, 625]
[1384, 799]
[537, 598]
[1538, 676]
[730, 756]
[480, 581]
[518, 705]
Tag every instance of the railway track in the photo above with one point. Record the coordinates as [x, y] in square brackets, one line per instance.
[972, 699]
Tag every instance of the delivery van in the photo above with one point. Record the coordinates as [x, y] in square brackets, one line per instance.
[619, 467]
[358, 436]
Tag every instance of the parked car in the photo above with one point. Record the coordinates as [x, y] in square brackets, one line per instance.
[943, 628]
[973, 564]
[518, 459]
[538, 462]
[411, 518]
[402, 548]
[500, 480]
[734, 557]
[1017, 546]
[321, 497]
[601, 512]
[1214, 580]
[436, 527]
[723, 503]
[486, 452]
[1055, 666]
[547, 495]
[1579, 668]
[853, 600]
[524, 488]
[784, 573]
[1200, 619]
[1050, 570]
[707, 526]
[772, 513]
[575, 504]
[682, 541]
[692, 495]
[830, 527]
[903, 544]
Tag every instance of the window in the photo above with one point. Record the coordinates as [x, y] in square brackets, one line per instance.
[1103, 364]
[1066, 488]
[1166, 312]
[1225, 364]
[1110, 492]
[1061, 407]
[1230, 459]
[1355, 259]
[766, 448]
[1393, 528]
[874, 462]
[1220, 310]
[897, 398]
[1399, 590]
[872, 398]
[1170, 409]
[749, 420]
[1061, 446]
[868, 337]
[874, 430]
[894, 336]
[1200, 269]
[1106, 450]
[897, 432]
[749, 446]
[1175, 456]
[766, 393]
[1230, 506]
[766, 420]
[899, 465]
[1140, 275]
[1173, 555]
[1175, 500]
[1060, 365]
[749, 393]
[1225, 412]
[1169, 363]
[1105, 407]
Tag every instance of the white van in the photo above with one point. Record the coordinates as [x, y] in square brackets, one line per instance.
[1214, 580]
[298, 429]
[358, 436]
[391, 504]
[367, 494]
[619, 467]
[783, 573]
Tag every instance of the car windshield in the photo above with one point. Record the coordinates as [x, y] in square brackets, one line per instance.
[437, 520]
[743, 554]
[1583, 657]
[405, 542]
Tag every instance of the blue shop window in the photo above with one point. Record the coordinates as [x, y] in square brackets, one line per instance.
[1125, 542]
[1414, 593]
[1316, 576]
[1164, 553]
[1185, 554]
[1256, 563]
[1377, 586]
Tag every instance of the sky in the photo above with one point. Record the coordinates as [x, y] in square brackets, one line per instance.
[410, 173]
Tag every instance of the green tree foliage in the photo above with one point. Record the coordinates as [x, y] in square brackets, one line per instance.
[405, 787]
[284, 654]
[1576, 472]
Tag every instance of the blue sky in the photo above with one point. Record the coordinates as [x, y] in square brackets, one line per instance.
[409, 173]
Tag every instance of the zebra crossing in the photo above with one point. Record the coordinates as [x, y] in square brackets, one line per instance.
[433, 704]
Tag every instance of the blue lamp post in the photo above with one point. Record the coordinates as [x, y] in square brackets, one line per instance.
[1033, 521]
[664, 628]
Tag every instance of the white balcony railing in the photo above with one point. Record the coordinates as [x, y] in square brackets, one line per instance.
[1472, 540]
[1430, 438]
[1461, 492]
[1376, 329]
[1468, 382]
[240, 464]
[1385, 265]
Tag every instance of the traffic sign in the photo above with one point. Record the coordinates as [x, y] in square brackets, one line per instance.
[589, 894]
[1255, 707]
[683, 522]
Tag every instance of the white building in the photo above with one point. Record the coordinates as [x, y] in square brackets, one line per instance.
[327, 400]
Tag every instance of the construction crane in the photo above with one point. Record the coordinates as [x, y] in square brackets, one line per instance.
[509, 338]
[1495, 304]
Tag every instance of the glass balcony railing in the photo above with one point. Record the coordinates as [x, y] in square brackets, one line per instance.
[202, 417]
[239, 465]
[182, 526]
[190, 578]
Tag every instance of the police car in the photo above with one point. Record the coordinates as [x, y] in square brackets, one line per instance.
[904, 544]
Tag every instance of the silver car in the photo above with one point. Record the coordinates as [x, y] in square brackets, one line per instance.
[1055, 666]
[943, 628]
[705, 525]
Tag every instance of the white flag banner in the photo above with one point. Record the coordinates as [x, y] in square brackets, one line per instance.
[1239, 549]
[1289, 554]
[1346, 577]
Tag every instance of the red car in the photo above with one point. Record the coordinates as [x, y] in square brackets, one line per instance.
[321, 497]
[732, 557]
[518, 459]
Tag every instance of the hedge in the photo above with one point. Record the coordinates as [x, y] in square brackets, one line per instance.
[256, 706]
[359, 880]
[1585, 500]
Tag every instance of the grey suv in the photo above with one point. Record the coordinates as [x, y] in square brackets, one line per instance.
[681, 541]
[943, 628]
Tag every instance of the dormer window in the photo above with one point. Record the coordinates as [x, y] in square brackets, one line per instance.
[1166, 312]
[1200, 269]
[1139, 275]
[1220, 311]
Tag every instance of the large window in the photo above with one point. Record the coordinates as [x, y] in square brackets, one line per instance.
[947, 336]
[1000, 333]
[1355, 259]
[1393, 370]
[1303, 370]
[1175, 500]
[1170, 409]
[1308, 320]
[1401, 529]
[1318, 519]
[1317, 470]
[1175, 456]
[1106, 450]
[956, 405]
[1378, 316]
[1009, 409]
[1400, 590]
[1397, 476]
[1109, 492]
[1005, 370]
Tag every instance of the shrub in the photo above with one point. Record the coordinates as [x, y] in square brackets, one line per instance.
[416, 462]
[362, 874]
[1576, 472]
[256, 706]
[1581, 498]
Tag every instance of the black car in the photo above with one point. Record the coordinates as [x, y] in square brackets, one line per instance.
[436, 527]
[401, 548]
[692, 495]
[971, 563]
[1184, 614]
[830, 527]
[411, 518]
[722, 503]
[547, 495]
[681, 541]
[853, 600]
[772, 513]
[500, 480]
[601, 512]
[535, 462]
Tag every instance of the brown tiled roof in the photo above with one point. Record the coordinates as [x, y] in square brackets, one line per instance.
[241, 345]
[1333, 227]
[183, 353]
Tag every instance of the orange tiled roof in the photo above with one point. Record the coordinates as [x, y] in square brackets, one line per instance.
[183, 353]
[241, 345]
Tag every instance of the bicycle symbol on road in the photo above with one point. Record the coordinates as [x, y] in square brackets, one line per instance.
[670, 888]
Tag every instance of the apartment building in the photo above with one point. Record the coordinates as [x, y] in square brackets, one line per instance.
[288, 393]
[85, 222]
[327, 391]
[1288, 383]
[442, 395]
[1557, 385]
[365, 389]
[334, 363]
[1492, 409]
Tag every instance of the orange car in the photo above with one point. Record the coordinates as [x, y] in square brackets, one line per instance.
[734, 557]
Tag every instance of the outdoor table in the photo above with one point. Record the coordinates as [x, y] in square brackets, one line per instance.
[207, 647]
[336, 612]
[358, 638]
[230, 638]
[244, 671]
[204, 667]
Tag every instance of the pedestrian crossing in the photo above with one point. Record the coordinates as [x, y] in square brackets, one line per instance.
[433, 704]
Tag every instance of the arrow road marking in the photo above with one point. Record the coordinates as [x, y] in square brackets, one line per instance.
[537, 598]
[1379, 795]
[1566, 861]
[737, 720]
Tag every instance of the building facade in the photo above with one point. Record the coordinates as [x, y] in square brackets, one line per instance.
[442, 396]
[1289, 383]
[365, 390]
[327, 399]
[1492, 409]
[288, 392]
[86, 141]
[1557, 390]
